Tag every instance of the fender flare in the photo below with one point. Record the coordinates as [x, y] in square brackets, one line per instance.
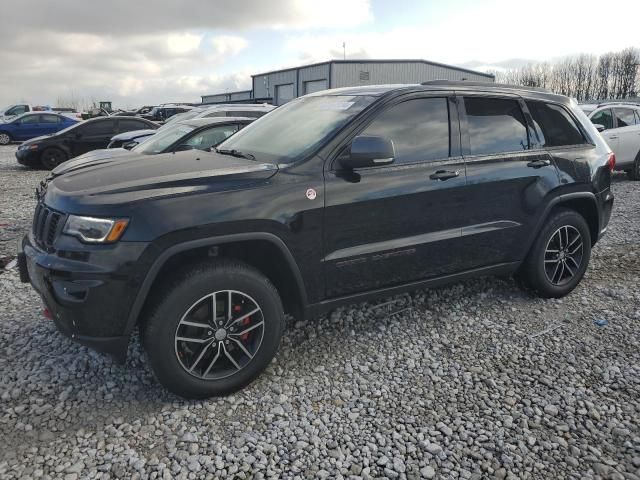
[159, 262]
[556, 201]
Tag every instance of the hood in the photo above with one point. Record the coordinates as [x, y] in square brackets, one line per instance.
[89, 157]
[133, 134]
[42, 138]
[136, 177]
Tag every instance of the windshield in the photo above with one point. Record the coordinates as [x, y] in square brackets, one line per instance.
[160, 141]
[180, 117]
[297, 128]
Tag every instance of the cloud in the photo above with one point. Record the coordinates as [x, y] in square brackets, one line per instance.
[145, 51]
[229, 44]
[181, 43]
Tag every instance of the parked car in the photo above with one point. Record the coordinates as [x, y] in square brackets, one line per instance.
[335, 197]
[14, 110]
[138, 111]
[131, 139]
[164, 112]
[29, 125]
[50, 151]
[619, 124]
[198, 134]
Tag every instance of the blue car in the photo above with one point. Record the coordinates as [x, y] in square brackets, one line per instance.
[32, 125]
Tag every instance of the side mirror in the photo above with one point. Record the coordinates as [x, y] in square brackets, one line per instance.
[183, 148]
[369, 151]
[599, 127]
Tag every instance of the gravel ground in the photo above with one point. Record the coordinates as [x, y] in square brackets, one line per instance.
[476, 380]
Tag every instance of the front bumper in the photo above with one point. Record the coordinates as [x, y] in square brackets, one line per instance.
[28, 157]
[89, 293]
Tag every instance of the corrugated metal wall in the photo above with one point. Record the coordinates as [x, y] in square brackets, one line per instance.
[353, 74]
[227, 97]
[264, 86]
[309, 74]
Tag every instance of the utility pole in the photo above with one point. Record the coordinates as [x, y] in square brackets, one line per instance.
[344, 50]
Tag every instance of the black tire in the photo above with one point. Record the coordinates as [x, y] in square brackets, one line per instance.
[177, 302]
[52, 157]
[634, 172]
[5, 138]
[546, 272]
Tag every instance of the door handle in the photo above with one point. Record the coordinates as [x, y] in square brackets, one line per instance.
[539, 163]
[613, 137]
[444, 175]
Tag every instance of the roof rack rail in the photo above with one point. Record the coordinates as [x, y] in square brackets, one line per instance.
[615, 102]
[467, 83]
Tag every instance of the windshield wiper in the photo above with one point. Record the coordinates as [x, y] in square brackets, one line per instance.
[235, 153]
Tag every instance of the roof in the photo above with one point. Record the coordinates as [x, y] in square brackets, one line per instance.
[235, 92]
[450, 85]
[426, 62]
[202, 122]
[240, 106]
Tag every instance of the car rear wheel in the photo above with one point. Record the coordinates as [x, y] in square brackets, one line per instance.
[52, 157]
[559, 256]
[214, 330]
[634, 172]
[5, 138]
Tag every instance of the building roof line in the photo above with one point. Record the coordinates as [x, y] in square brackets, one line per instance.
[364, 60]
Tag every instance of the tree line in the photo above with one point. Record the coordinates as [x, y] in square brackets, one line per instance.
[613, 75]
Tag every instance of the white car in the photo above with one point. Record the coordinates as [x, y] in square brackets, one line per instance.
[619, 125]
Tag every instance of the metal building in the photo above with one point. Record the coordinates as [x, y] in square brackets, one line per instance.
[280, 86]
[243, 96]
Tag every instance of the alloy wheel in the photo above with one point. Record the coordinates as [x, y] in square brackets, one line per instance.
[219, 335]
[563, 255]
[4, 139]
[52, 158]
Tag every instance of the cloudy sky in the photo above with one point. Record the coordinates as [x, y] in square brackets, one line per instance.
[146, 51]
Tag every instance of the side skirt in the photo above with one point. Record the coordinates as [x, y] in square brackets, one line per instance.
[317, 309]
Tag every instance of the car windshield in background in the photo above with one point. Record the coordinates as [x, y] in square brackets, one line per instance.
[160, 141]
[179, 118]
[297, 128]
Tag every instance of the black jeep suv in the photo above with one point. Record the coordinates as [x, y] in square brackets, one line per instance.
[335, 197]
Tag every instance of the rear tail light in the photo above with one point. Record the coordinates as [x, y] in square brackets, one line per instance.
[611, 161]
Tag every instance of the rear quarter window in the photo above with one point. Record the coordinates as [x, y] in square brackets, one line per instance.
[555, 124]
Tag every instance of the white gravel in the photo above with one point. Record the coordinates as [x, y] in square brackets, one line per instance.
[445, 383]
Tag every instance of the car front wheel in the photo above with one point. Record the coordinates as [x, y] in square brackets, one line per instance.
[559, 256]
[52, 157]
[214, 330]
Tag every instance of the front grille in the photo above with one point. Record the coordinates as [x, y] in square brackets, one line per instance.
[47, 224]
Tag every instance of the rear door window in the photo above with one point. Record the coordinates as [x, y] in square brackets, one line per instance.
[419, 129]
[625, 117]
[555, 124]
[496, 125]
[604, 118]
[104, 127]
[130, 125]
[49, 119]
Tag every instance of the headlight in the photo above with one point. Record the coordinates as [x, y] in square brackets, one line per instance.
[95, 230]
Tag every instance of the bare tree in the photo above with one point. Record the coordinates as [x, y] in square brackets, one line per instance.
[584, 76]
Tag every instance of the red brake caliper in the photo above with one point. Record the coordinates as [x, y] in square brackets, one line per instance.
[244, 322]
